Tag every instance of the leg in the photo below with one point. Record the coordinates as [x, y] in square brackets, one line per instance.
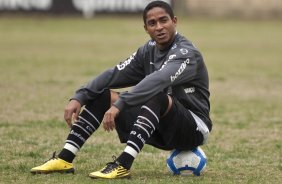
[145, 125]
[161, 122]
[89, 121]
[179, 129]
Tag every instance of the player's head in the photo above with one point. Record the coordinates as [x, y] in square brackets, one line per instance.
[160, 23]
[160, 4]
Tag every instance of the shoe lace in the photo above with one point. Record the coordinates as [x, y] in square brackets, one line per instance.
[53, 157]
[110, 166]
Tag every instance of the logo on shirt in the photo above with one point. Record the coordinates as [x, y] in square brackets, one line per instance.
[152, 43]
[174, 47]
[180, 70]
[123, 64]
[171, 56]
[169, 59]
[184, 51]
[189, 90]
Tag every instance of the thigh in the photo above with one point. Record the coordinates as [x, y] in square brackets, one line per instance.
[177, 130]
[128, 116]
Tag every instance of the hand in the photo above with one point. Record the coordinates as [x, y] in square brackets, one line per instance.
[109, 119]
[72, 111]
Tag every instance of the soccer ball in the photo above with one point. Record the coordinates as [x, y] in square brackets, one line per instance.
[187, 162]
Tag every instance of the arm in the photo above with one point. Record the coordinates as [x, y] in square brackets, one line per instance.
[125, 74]
[177, 71]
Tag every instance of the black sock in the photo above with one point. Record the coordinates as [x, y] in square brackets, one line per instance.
[125, 160]
[88, 122]
[143, 128]
[66, 155]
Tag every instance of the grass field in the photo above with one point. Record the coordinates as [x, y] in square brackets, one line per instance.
[44, 60]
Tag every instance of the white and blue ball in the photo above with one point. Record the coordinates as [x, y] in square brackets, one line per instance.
[187, 162]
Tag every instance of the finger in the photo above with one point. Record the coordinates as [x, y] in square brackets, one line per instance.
[68, 118]
[111, 123]
[107, 127]
[109, 119]
[104, 126]
[105, 123]
[76, 114]
[111, 126]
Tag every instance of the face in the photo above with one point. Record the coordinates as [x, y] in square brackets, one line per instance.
[160, 27]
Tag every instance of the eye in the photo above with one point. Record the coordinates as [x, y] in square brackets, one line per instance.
[164, 20]
[151, 23]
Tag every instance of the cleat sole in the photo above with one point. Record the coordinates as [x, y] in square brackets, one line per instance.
[119, 177]
[67, 171]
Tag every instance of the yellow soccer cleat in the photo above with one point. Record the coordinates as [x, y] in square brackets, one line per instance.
[53, 165]
[112, 170]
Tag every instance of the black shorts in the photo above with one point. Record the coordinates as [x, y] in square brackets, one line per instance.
[176, 130]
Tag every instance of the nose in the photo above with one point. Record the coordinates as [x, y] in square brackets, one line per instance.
[159, 26]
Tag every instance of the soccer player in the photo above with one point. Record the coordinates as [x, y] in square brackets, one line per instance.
[167, 107]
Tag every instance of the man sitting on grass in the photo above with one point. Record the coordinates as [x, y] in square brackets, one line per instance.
[167, 107]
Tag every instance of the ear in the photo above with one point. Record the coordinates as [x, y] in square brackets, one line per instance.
[145, 28]
[174, 20]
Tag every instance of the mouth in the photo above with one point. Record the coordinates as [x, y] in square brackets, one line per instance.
[161, 35]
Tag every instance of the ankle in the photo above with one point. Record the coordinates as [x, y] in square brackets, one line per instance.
[125, 160]
[66, 155]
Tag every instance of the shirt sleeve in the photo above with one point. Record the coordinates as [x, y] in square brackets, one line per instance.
[125, 74]
[179, 69]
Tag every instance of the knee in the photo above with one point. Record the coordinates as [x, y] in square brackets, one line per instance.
[102, 100]
[161, 100]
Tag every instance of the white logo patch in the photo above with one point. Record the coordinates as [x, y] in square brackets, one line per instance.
[171, 56]
[152, 43]
[122, 65]
[174, 47]
[180, 70]
[184, 51]
[189, 90]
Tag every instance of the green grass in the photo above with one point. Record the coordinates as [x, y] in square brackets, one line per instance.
[44, 60]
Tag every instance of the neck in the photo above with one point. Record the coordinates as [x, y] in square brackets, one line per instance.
[167, 44]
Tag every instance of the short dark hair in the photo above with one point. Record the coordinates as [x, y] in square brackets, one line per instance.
[160, 4]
